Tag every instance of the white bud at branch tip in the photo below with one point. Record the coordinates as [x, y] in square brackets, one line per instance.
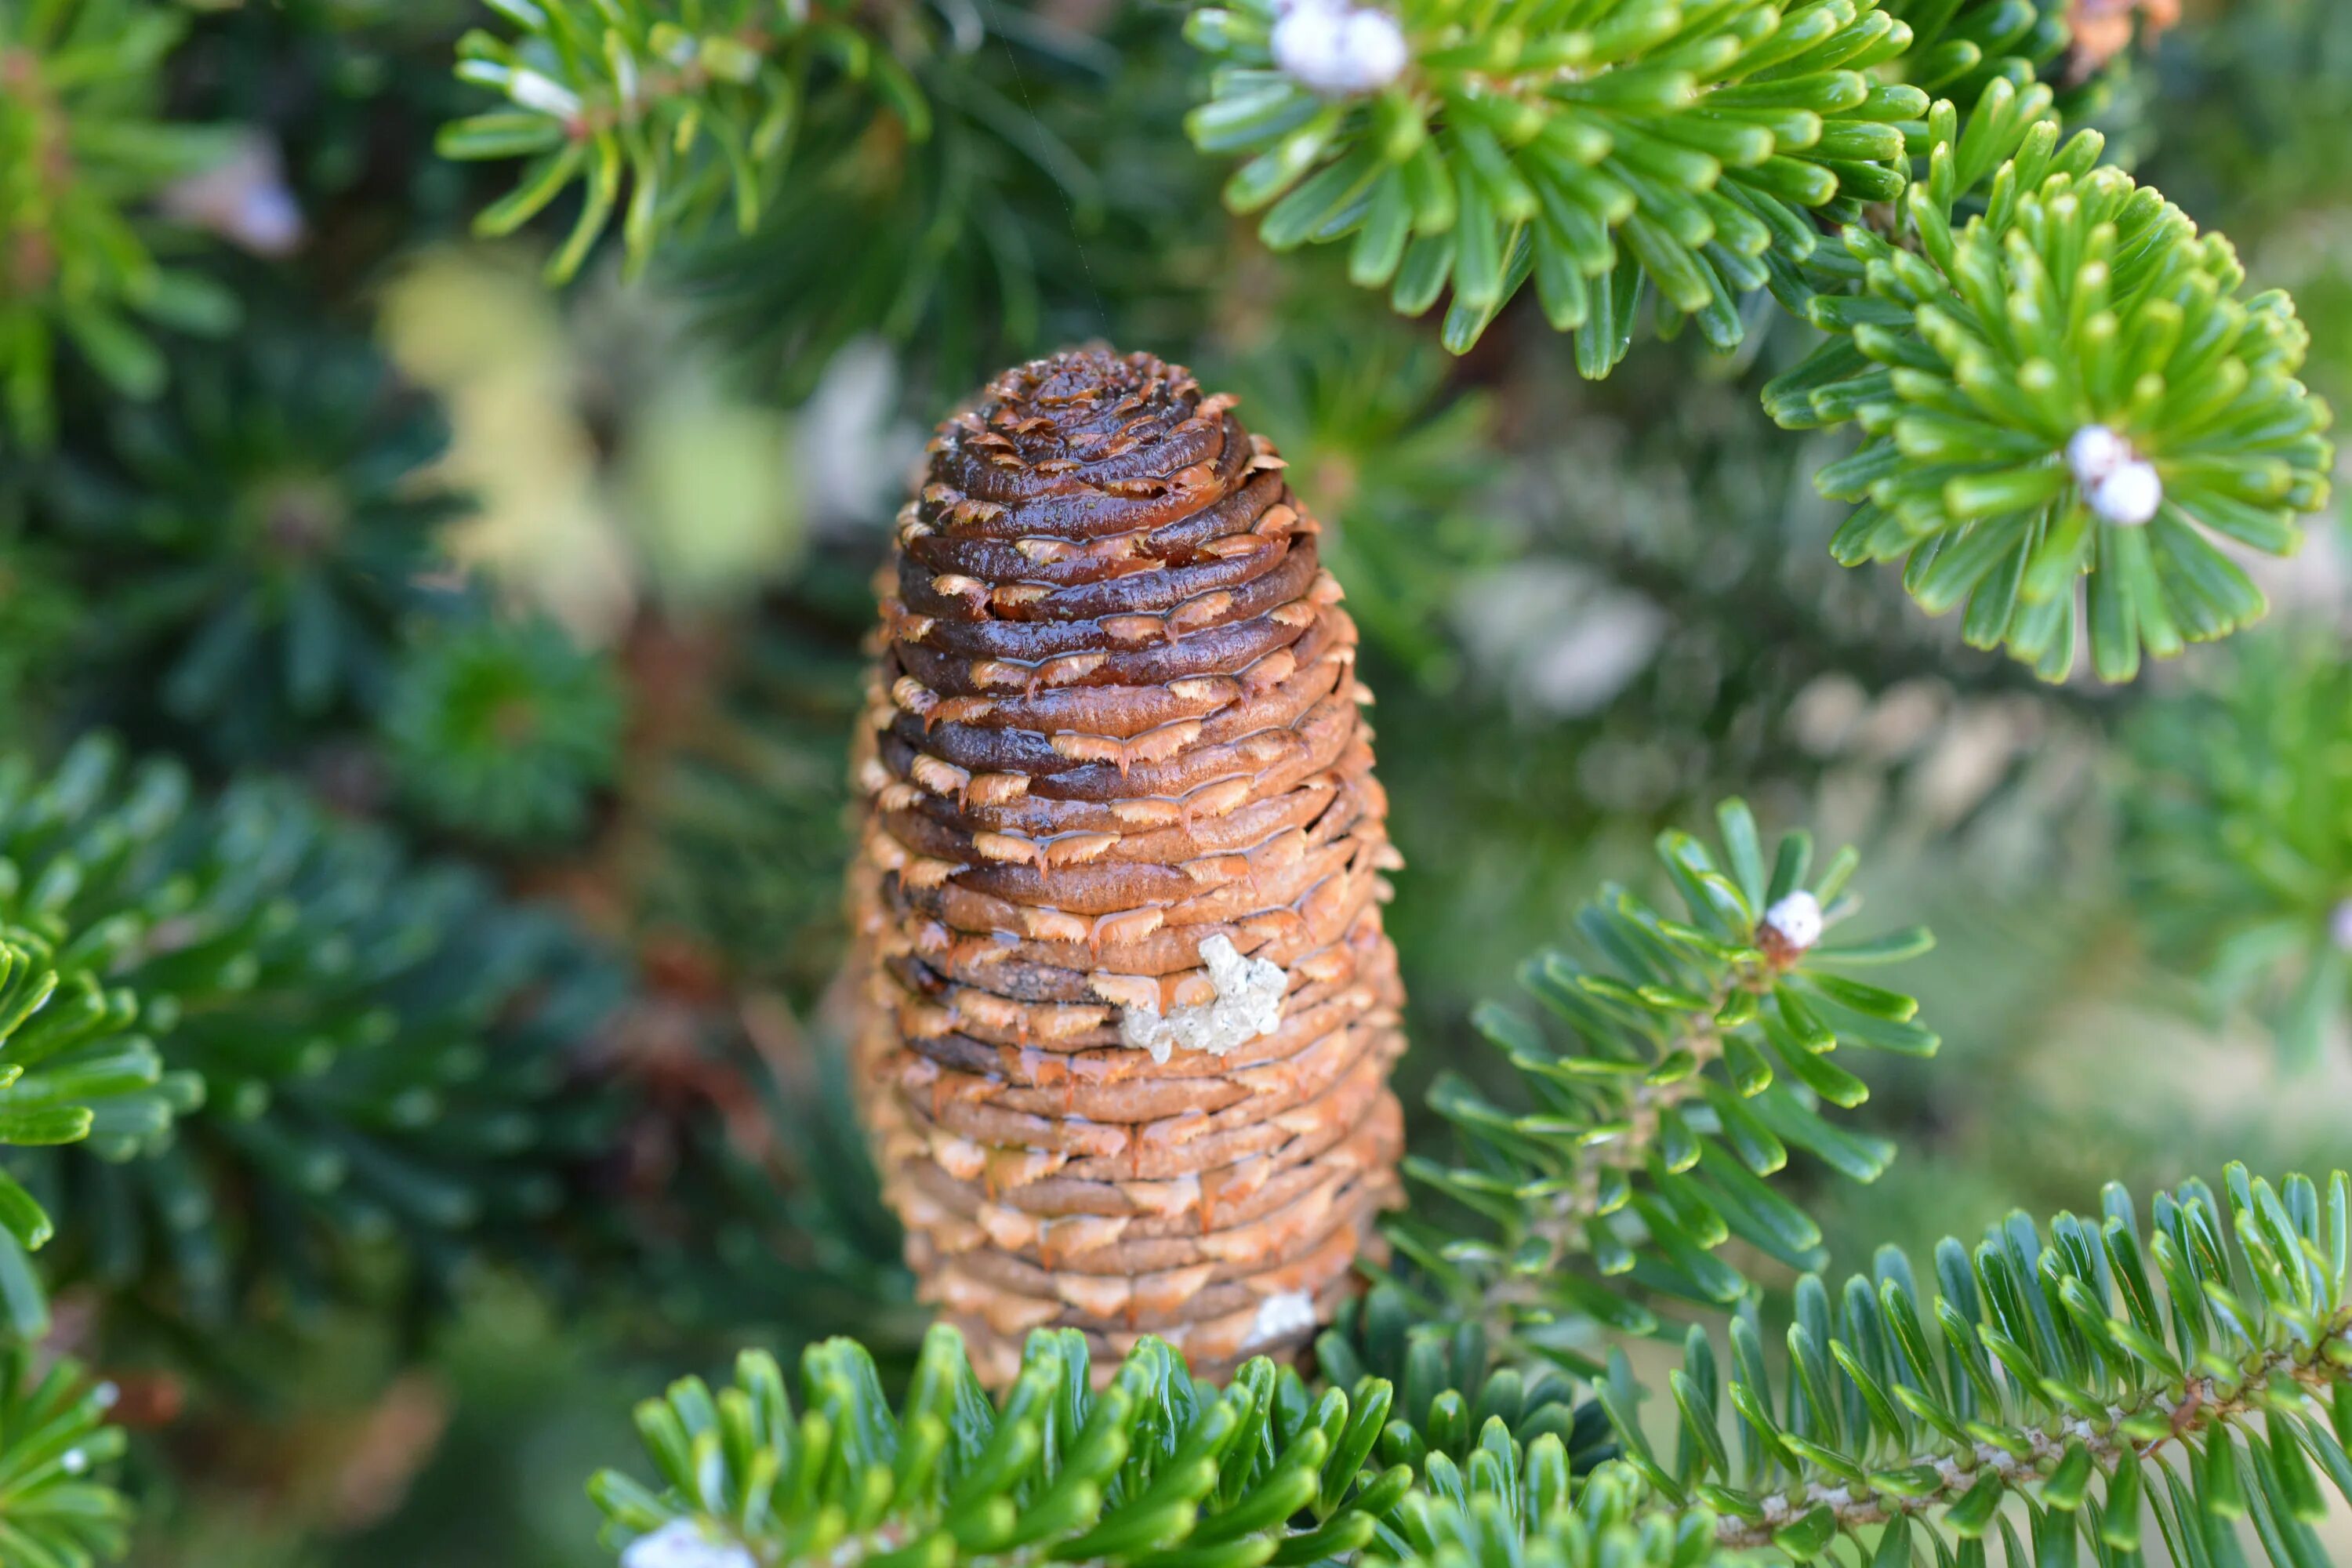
[2339, 925]
[683, 1543]
[2120, 487]
[1795, 922]
[532, 90]
[1332, 48]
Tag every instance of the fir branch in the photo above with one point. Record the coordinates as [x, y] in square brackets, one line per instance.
[1401, 465]
[1960, 47]
[2202, 1405]
[1507, 1508]
[382, 1045]
[1153, 1469]
[1701, 1053]
[1590, 149]
[56, 1508]
[1450, 1383]
[2045, 1362]
[253, 544]
[81, 149]
[2066, 402]
[72, 1069]
[692, 108]
[2216, 1389]
[1047, 200]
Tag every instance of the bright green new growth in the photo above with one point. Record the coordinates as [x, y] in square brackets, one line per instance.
[71, 1068]
[52, 1436]
[1980, 352]
[1959, 47]
[1702, 150]
[2062, 1388]
[1154, 1471]
[1588, 145]
[1701, 1049]
[693, 108]
[82, 150]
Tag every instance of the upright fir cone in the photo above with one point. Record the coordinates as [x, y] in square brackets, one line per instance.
[1130, 1011]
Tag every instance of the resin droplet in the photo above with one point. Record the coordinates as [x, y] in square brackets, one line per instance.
[1248, 1004]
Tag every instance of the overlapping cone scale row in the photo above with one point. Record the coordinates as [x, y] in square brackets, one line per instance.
[1117, 800]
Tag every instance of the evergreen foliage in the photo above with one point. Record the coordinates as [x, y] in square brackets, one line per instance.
[1398, 463]
[314, 1082]
[73, 1069]
[1960, 47]
[692, 110]
[1591, 148]
[251, 543]
[2238, 816]
[502, 726]
[1154, 1469]
[380, 1050]
[2095, 1349]
[1046, 202]
[82, 146]
[2064, 1387]
[968, 181]
[2065, 400]
[1450, 1382]
[1701, 1051]
[794, 1236]
[754, 819]
[56, 1509]
[1604, 152]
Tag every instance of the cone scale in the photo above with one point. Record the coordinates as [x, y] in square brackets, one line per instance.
[1129, 1009]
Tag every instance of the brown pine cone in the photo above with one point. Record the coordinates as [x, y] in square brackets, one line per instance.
[1129, 1010]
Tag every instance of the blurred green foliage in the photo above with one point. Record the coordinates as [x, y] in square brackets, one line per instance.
[2239, 837]
[502, 727]
[247, 546]
[83, 148]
